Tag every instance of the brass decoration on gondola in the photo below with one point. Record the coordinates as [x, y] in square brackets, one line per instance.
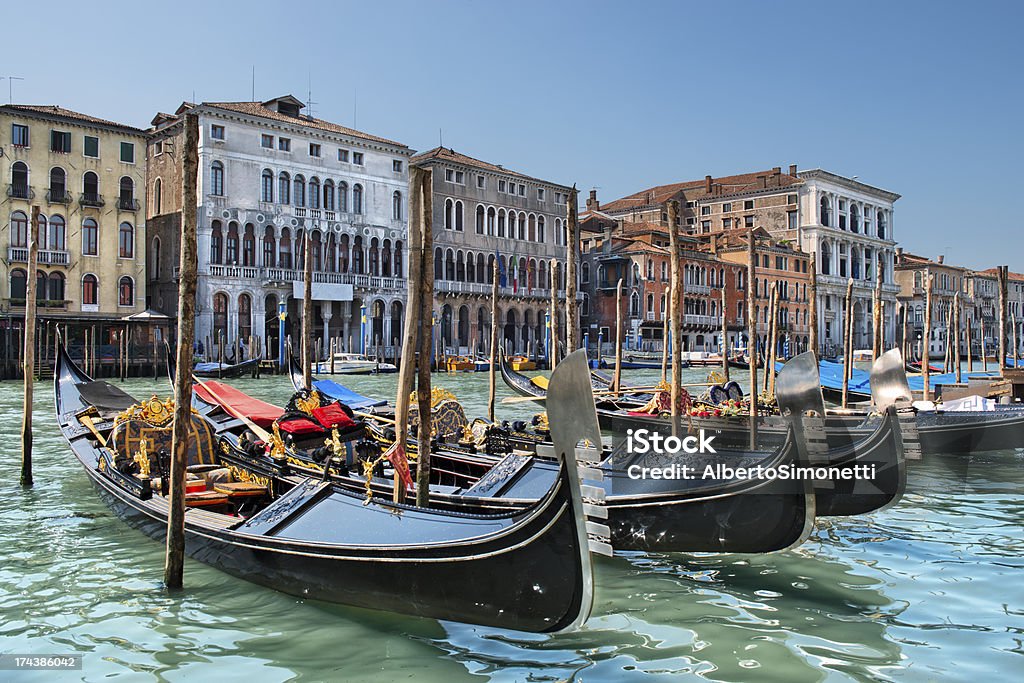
[308, 405]
[437, 395]
[277, 449]
[142, 458]
[154, 411]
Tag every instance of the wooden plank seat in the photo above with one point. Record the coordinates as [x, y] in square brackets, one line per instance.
[205, 499]
[240, 489]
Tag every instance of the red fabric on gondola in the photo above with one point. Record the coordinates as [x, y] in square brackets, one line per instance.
[299, 426]
[237, 403]
[333, 415]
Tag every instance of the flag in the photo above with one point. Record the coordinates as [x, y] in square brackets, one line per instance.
[502, 274]
[515, 274]
[396, 455]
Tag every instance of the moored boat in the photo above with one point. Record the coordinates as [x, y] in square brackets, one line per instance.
[225, 370]
[527, 569]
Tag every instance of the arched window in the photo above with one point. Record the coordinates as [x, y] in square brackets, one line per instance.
[90, 237]
[125, 292]
[826, 259]
[824, 208]
[449, 214]
[158, 197]
[458, 217]
[385, 258]
[314, 193]
[585, 273]
[634, 305]
[55, 287]
[398, 266]
[19, 229]
[449, 265]
[126, 241]
[41, 231]
[540, 228]
[501, 222]
[358, 258]
[126, 194]
[522, 226]
[269, 247]
[479, 219]
[216, 243]
[19, 180]
[396, 206]
[284, 188]
[231, 253]
[249, 245]
[881, 225]
[316, 249]
[217, 179]
[267, 186]
[328, 195]
[438, 264]
[220, 317]
[460, 267]
[90, 287]
[343, 196]
[357, 198]
[244, 317]
[299, 191]
[854, 218]
[56, 236]
[343, 255]
[90, 188]
[19, 284]
[154, 264]
[58, 185]
[532, 233]
[490, 220]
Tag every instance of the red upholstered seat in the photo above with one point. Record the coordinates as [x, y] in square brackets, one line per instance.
[300, 426]
[333, 415]
[238, 403]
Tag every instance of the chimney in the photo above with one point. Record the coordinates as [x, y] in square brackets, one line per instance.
[792, 169]
[776, 170]
[707, 184]
[762, 181]
[714, 243]
[592, 203]
[899, 255]
[941, 259]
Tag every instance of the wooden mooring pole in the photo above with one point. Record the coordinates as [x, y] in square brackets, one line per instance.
[494, 341]
[188, 264]
[1004, 274]
[407, 371]
[848, 345]
[675, 249]
[769, 351]
[812, 305]
[926, 341]
[28, 367]
[426, 312]
[956, 336]
[617, 378]
[307, 312]
[553, 317]
[724, 346]
[572, 250]
[752, 335]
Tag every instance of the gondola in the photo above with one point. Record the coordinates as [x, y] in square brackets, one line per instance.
[699, 515]
[526, 570]
[225, 370]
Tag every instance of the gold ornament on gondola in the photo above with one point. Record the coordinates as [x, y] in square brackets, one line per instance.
[716, 377]
[308, 405]
[277, 450]
[154, 411]
[437, 395]
[142, 458]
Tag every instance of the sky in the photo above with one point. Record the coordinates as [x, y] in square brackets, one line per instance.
[921, 98]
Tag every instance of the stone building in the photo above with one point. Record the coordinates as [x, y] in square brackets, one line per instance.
[778, 263]
[848, 223]
[977, 297]
[483, 212]
[270, 175]
[87, 176]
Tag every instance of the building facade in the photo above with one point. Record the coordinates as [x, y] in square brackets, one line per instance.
[483, 213]
[87, 176]
[269, 176]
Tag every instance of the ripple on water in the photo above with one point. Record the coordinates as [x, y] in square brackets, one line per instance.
[927, 589]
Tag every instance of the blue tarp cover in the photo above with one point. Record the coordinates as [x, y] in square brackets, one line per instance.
[332, 389]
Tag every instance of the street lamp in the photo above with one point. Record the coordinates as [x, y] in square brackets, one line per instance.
[362, 329]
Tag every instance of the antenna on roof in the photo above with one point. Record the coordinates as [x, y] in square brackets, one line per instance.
[10, 86]
[309, 94]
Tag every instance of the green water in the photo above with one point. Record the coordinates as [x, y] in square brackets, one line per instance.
[929, 589]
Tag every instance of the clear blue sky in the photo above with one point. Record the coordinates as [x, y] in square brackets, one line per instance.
[922, 98]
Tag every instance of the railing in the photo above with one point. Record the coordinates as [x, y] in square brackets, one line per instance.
[299, 211]
[248, 272]
[690, 288]
[650, 315]
[18, 191]
[91, 199]
[50, 304]
[692, 319]
[329, 215]
[58, 196]
[315, 213]
[355, 279]
[52, 257]
[127, 204]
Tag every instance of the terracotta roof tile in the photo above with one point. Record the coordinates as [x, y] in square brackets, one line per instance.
[259, 109]
[61, 112]
[450, 155]
[694, 190]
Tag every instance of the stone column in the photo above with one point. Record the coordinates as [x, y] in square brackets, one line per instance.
[327, 312]
[346, 322]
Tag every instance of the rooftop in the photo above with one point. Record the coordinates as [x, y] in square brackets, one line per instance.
[54, 111]
[447, 154]
[696, 189]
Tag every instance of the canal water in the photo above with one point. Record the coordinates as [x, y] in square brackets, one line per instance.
[928, 589]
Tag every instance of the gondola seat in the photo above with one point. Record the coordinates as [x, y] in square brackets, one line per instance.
[151, 421]
[241, 489]
[449, 419]
[206, 499]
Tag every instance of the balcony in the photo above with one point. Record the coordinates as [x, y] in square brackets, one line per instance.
[375, 282]
[247, 272]
[19, 191]
[45, 304]
[700, 320]
[691, 288]
[51, 257]
[127, 204]
[91, 199]
[58, 195]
